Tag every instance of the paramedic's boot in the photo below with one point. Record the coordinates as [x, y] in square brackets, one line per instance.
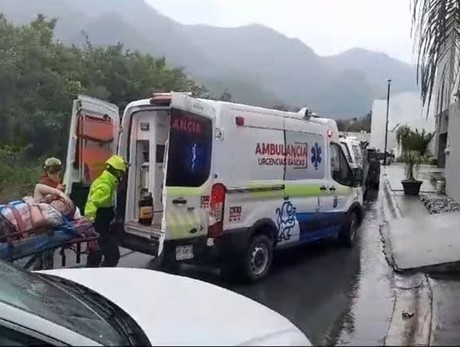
[94, 258]
[111, 252]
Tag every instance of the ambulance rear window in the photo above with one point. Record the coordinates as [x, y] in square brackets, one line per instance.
[189, 154]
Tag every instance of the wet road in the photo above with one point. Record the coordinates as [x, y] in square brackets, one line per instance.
[334, 294]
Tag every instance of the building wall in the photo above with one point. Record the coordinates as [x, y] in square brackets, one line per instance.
[405, 109]
[453, 158]
[377, 138]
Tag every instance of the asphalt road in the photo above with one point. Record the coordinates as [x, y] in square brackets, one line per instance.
[335, 295]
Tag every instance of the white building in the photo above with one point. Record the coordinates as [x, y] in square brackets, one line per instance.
[405, 109]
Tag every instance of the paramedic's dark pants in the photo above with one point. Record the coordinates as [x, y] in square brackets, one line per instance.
[108, 241]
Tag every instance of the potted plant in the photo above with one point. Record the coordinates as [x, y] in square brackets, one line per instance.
[414, 146]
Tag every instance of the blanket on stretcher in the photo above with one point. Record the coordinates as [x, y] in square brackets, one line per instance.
[13, 248]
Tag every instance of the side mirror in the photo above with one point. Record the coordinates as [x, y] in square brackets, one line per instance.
[358, 177]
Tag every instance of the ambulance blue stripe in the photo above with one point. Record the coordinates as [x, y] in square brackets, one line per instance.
[315, 226]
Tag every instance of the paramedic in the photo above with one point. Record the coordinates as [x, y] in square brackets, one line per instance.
[51, 178]
[99, 209]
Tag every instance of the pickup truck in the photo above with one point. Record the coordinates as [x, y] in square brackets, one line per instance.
[371, 169]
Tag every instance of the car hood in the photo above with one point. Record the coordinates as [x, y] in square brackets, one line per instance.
[175, 310]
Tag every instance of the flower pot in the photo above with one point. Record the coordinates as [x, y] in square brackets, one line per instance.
[411, 187]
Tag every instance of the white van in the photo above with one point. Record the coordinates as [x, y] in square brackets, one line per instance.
[353, 151]
[230, 183]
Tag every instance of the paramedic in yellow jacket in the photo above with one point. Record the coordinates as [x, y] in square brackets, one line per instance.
[99, 208]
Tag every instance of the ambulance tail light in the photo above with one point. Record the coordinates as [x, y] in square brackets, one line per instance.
[216, 213]
[239, 121]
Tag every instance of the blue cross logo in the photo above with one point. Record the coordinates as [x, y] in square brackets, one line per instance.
[316, 155]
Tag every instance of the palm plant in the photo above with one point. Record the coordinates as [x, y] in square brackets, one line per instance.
[414, 146]
[436, 29]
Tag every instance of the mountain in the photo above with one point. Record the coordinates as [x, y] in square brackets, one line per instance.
[378, 67]
[256, 64]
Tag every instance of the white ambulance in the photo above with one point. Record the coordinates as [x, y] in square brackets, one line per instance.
[229, 182]
[353, 151]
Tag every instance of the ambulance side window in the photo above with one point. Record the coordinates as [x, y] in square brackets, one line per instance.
[340, 170]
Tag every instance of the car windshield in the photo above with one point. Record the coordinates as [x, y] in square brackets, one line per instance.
[34, 294]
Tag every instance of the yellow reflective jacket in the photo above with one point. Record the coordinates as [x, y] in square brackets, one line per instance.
[101, 194]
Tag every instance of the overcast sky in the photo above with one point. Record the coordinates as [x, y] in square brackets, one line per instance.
[328, 26]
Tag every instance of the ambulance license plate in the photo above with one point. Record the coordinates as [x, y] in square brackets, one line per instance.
[184, 252]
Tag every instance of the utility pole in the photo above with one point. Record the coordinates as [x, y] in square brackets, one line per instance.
[386, 123]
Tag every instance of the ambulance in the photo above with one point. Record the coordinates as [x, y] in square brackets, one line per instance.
[228, 183]
[353, 151]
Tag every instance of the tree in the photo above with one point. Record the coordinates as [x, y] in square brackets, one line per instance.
[355, 124]
[280, 107]
[436, 30]
[39, 79]
[226, 96]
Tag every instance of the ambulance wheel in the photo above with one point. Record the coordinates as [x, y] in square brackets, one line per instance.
[258, 258]
[348, 234]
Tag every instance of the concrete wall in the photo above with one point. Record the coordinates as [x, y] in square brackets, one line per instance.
[453, 158]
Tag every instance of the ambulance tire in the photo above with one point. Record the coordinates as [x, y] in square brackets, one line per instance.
[258, 258]
[349, 232]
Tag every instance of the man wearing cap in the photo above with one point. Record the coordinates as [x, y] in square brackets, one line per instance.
[99, 209]
[52, 175]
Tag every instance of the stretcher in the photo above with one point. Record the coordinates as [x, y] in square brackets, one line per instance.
[70, 235]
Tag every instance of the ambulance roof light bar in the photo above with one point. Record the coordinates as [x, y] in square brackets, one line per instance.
[305, 113]
[164, 99]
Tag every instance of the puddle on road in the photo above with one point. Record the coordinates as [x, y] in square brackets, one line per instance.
[372, 296]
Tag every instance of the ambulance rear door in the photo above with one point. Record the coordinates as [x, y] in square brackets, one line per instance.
[93, 138]
[189, 179]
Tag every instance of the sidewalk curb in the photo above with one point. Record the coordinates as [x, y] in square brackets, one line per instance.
[412, 292]
[393, 205]
[390, 211]
[412, 314]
